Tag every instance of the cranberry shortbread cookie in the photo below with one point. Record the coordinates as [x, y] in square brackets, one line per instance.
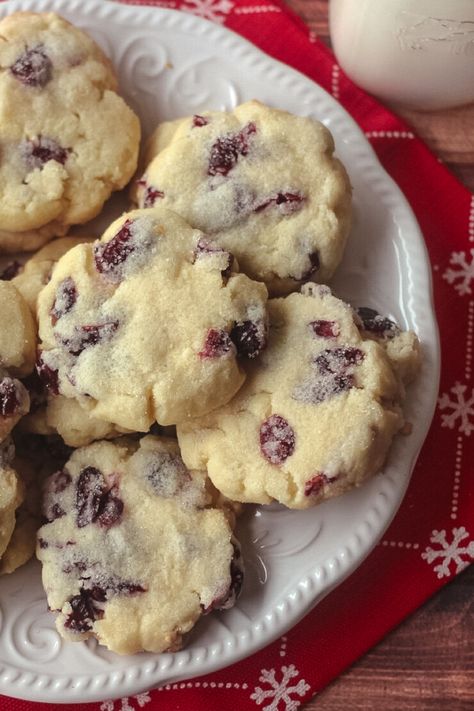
[36, 272]
[74, 421]
[314, 420]
[14, 403]
[264, 183]
[134, 553]
[22, 544]
[17, 332]
[402, 347]
[11, 496]
[67, 139]
[149, 323]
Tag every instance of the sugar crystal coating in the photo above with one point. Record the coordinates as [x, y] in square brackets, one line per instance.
[124, 332]
[33, 67]
[314, 418]
[264, 184]
[277, 439]
[141, 580]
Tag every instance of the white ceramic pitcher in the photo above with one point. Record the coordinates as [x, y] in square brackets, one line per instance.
[414, 53]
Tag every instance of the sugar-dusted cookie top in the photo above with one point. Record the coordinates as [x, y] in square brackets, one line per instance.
[67, 139]
[264, 183]
[134, 552]
[150, 323]
[36, 272]
[402, 347]
[314, 419]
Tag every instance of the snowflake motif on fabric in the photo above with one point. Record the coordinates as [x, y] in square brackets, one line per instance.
[214, 10]
[463, 270]
[459, 551]
[127, 703]
[280, 690]
[462, 409]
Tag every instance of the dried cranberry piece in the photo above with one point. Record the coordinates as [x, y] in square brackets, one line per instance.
[9, 397]
[277, 439]
[314, 485]
[199, 121]
[167, 474]
[66, 297]
[334, 374]
[59, 481]
[90, 335]
[39, 151]
[111, 509]
[204, 248]
[150, 194]
[217, 344]
[249, 338]
[49, 376]
[84, 611]
[287, 203]
[11, 270]
[325, 329]
[337, 360]
[33, 67]
[375, 323]
[128, 588]
[90, 489]
[110, 255]
[56, 511]
[226, 150]
[94, 502]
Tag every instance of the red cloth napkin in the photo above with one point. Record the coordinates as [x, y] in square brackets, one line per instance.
[432, 536]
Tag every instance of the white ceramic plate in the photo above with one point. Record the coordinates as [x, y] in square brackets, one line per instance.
[173, 64]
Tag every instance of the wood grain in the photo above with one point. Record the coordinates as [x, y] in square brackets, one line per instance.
[427, 663]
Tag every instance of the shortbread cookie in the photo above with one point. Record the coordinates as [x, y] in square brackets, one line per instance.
[315, 419]
[402, 347]
[67, 139]
[39, 458]
[149, 323]
[17, 332]
[133, 554]
[22, 544]
[74, 421]
[14, 403]
[11, 496]
[36, 272]
[263, 183]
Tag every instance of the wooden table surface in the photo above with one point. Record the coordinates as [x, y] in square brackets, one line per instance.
[427, 663]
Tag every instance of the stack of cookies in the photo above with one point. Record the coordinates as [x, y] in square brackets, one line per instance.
[189, 361]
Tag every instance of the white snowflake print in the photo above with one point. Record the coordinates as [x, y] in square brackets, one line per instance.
[280, 690]
[127, 703]
[463, 271]
[214, 10]
[459, 551]
[462, 409]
